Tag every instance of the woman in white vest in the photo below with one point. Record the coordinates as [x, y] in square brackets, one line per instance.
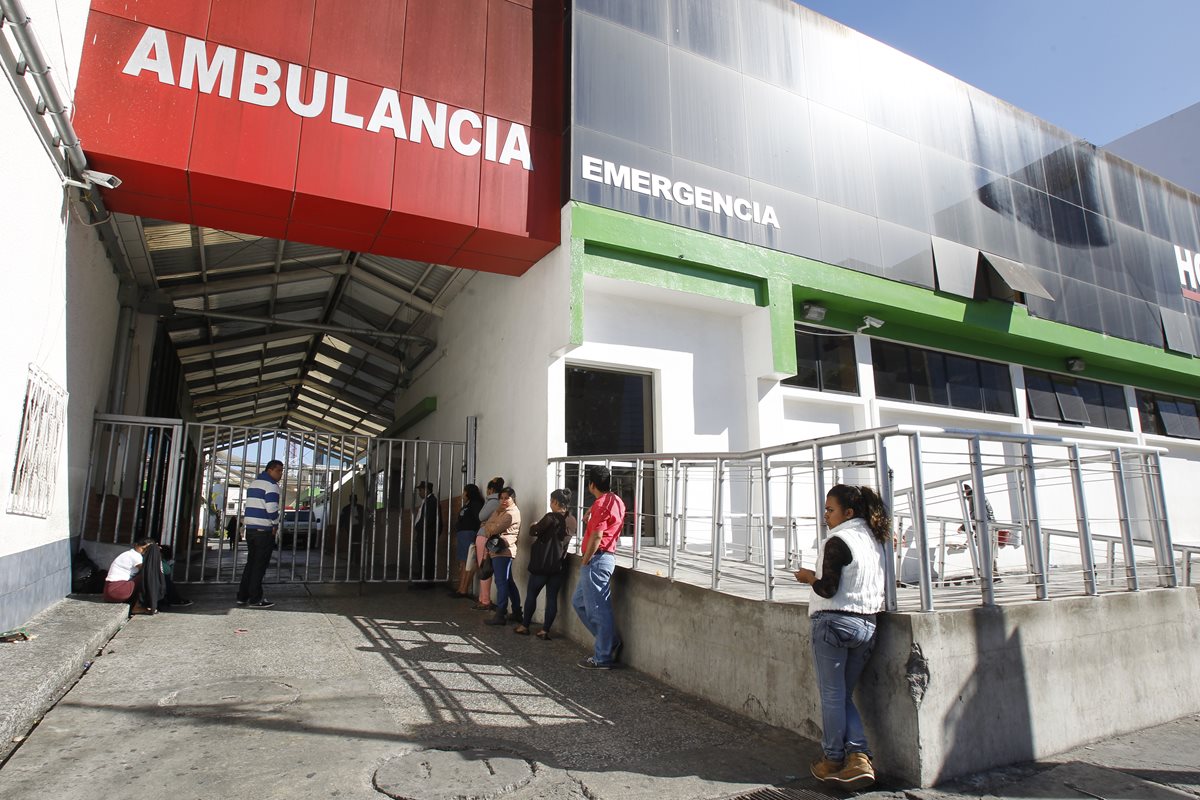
[847, 594]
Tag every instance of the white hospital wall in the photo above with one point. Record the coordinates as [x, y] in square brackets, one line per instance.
[60, 317]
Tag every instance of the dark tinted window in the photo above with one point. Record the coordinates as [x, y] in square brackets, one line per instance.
[1065, 398]
[927, 376]
[1178, 416]
[825, 361]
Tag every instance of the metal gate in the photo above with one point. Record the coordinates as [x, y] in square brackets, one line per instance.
[348, 504]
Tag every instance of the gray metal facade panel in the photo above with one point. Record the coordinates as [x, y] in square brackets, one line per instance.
[824, 115]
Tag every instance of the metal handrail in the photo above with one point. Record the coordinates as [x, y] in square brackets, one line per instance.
[747, 521]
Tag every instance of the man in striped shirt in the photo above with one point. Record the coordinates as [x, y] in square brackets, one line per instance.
[260, 521]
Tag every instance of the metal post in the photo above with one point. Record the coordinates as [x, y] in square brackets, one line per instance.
[172, 494]
[1131, 578]
[819, 495]
[884, 480]
[789, 532]
[768, 529]
[683, 512]
[472, 453]
[674, 529]
[1033, 525]
[1163, 542]
[638, 511]
[1086, 554]
[982, 530]
[718, 527]
[918, 515]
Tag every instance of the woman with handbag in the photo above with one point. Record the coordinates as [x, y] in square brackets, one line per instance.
[490, 506]
[502, 529]
[549, 540]
[466, 529]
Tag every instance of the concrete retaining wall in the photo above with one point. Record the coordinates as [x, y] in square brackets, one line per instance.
[946, 693]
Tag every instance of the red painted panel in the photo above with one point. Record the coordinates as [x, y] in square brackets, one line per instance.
[526, 204]
[344, 174]
[508, 91]
[277, 28]
[189, 18]
[489, 262]
[239, 146]
[444, 44]
[436, 184]
[225, 219]
[135, 117]
[329, 237]
[362, 39]
[143, 205]
[413, 251]
[195, 157]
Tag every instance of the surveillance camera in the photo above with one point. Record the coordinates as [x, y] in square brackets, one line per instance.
[101, 179]
[872, 322]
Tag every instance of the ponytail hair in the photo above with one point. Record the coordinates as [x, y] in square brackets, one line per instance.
[867, 505]
[562, 497]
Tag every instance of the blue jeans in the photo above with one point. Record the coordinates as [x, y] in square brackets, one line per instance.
[552, 584]
[841, 644]
[593, 604]
[506, 587]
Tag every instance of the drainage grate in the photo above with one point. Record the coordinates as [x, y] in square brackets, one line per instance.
[772, 793]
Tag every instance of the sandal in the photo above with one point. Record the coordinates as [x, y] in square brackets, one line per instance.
[543, 634]
[521, 629]
[484, 606]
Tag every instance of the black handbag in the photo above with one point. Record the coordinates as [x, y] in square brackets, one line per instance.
[486, 571]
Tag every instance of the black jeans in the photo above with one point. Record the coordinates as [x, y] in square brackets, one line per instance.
[259, 545]
[553, 585]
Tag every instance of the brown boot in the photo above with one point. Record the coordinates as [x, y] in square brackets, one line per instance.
[856, 774]
[824, 769]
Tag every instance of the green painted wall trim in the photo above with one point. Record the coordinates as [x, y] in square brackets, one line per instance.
[639, 249]
[420, 410]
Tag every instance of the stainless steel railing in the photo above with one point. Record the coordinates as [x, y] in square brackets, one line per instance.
[758, 512]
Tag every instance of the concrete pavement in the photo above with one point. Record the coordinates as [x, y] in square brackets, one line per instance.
[375, 692]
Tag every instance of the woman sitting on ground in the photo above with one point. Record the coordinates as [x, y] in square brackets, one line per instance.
[549, 539]
[126, 579]
[848, 586]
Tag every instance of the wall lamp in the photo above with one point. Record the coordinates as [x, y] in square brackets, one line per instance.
[1076, 365]
[813, 312]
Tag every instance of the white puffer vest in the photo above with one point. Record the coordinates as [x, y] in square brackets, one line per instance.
[860, 590]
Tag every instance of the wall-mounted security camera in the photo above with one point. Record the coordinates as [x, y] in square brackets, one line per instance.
[870, 322]
[102, 179]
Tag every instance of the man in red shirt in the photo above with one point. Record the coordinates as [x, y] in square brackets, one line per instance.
[593, 599]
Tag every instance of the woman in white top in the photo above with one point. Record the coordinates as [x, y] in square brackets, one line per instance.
[124, 579]
[848, 586]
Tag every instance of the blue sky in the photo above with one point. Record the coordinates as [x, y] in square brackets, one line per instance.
[1098, 68]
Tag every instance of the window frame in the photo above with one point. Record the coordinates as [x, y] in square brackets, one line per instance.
[813, 337]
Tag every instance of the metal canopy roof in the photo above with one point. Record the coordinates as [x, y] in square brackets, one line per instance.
[279, 334]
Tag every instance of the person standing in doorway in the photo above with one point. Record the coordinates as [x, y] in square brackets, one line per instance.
[593, 595]
[423, 568]
[260, 523]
